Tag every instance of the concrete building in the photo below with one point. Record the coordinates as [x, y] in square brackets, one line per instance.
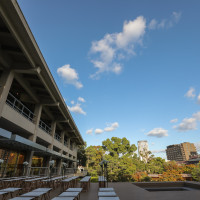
[143, 150]
[180, 152]
[35, 123]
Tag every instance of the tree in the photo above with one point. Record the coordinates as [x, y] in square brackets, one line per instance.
[119, 153]
[81, 155]
[94, 156]
[155, 165]
[196, 173]
[117, 146]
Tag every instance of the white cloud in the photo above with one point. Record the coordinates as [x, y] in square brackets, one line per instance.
[116, 46]
[98, 131]
[158, 132]
[89, 132]
[174, 120]
[159, 151]
[197, 115]
[190, 93]
[112, 127]
[72, 102]
[81, 99]
[198, 99]
[77, 109]
[187, 124]
[69, 75]
[152, 25]
[165, 23]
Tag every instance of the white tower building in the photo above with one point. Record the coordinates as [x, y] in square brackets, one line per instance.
[143, 150]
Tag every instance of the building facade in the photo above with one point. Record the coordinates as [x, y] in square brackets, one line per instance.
[35, 123]
[143, 150]
[181, 152]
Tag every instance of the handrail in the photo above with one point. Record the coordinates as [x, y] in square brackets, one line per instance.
[45, 127]
[65, 143]
[57, 137]
[17, 105]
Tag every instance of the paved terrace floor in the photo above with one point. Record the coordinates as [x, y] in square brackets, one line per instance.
[128, 191]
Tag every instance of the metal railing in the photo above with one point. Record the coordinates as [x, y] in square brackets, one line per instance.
[17, 105]
[45, 127]
[65, 143]
[57, 137]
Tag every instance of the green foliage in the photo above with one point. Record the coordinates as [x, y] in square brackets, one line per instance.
[155, 165]
[94, 179]
[117, 146]
[120, 157]
[196, 173]
[81, 155]
[146, 179]
[94, 156]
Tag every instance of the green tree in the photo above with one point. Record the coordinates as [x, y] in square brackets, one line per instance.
[156, 165]
[196, 173]
[119, 153]
[81, 154]
[94, 156]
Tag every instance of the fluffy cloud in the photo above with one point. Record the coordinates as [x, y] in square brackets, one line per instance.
[165, 23]
[98, 131]
[81, 99]
[117, 46]
[69, 75]
[174, 120]
[77, 109]
[109, 128]
[112, 127]
[187, 124]
[158, 132]
[89, 132]
[198, 99]
[72, 102]
[197, 115]
[190, 93]
[159, 151]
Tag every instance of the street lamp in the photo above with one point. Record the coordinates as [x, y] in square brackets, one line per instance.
[25, 164]
[64, 168]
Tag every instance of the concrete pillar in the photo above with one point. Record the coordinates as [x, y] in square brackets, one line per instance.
[68, 141]
[59, 165]
[36, 119]
[28, 158]
[46, 164]
[53, 130]
[6, 80]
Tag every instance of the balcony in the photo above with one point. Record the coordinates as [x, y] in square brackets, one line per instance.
[57, 137]
[17, 105]
[65, 143]
[45, 127]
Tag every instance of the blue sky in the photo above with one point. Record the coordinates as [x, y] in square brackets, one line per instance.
[124, 68]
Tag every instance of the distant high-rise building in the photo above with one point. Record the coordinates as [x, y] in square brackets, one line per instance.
[143, 150]
[181, 152]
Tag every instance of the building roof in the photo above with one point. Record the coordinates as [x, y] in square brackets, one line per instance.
[20, 52]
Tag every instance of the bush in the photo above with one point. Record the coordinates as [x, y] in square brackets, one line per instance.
[146, 179]
[94, 179]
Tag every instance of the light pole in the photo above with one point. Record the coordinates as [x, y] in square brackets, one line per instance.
[25, 164]
[64, 169]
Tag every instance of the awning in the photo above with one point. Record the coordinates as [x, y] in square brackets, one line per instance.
[15, 142]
